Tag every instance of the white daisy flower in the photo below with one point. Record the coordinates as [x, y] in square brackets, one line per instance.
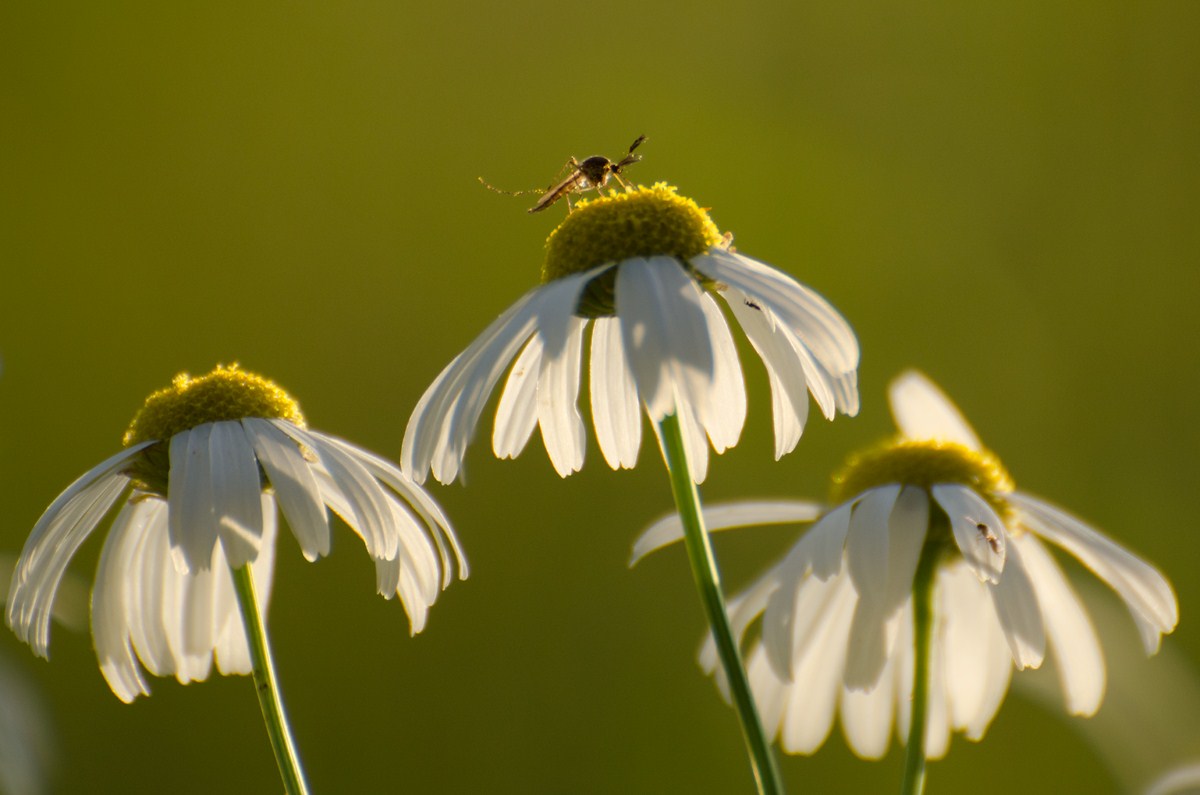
[837, 611]
[206, 464]
[643, 269]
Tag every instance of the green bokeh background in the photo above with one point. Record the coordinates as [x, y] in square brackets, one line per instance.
[1004, 195]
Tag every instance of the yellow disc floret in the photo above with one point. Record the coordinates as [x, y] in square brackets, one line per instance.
[227, 393]
[925, 463]
[642, 222]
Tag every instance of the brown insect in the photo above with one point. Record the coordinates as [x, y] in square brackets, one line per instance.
[592, 173]
[986, 533]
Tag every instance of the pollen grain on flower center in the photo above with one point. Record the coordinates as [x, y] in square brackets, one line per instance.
[925, 463]
[227, 393]
[643, 222]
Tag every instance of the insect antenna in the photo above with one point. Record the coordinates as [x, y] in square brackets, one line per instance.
[493, 188]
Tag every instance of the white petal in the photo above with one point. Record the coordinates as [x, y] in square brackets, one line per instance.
[1069, 631]
[666, 335]
[516, 414]
[669, 529]
[231, 650]
[558, 391]
[867, 544]
[869, 649]
[616, 412]
[236, 492]
[150, 565]
[789, 388]
[923, 412]
[828, 540]
[1146, 592]
[445, 418]
[54, 540]
[769, 691]
[110, 624]
[437, 428]
[867, 715]
[825, 332]
[978, 531]
[1019, 613]
[438, 525]
[724, 413]
[907, 526]
[794, 615]
[817, 675]
[296, 488]
[977, 659]
[370, 516]
[190, 518]
[695, 443]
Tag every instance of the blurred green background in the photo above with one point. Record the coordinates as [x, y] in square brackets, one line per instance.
[1004, 195]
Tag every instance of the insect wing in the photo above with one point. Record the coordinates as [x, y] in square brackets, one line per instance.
[558, 191]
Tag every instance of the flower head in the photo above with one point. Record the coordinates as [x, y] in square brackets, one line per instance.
[837, 611]
[643, 269]
[207, 463]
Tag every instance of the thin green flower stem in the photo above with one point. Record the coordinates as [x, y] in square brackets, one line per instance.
[266, 686]
[923, 601]
[708, 583]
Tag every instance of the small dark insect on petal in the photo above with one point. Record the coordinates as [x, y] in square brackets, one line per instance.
[753, 305]
[988, 536]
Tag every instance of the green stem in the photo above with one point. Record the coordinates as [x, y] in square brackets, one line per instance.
[708, 583]
[923, 595]
[266, 686]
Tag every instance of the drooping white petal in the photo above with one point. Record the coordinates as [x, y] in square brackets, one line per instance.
[432, 434]
[231, 650]
[616, 412]
[743, 608]
[55, 538]
[769, 691]
[1145, 591]
[370, 515]
[867, 715]
[665, 334]
[191, 518]
[1069, 631]
[817, 675]
[978, 531]
[558, 391]
[695, 443]
[867, 561]
[438, 525]
[818, 325]
[923, 412]
[669, 529]
[296, 488]
[724, 413]
[828, 540]
[187, 619]
[516, 414]
[907, 526]
[236, 492]
[1020, 616]
[110, 621]
[938, 718]
[446, 415]
[977, 658]
[867, 544]
[789, 387]
[146, 579]
[794, 615]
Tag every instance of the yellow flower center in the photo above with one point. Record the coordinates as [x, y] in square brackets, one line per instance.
[925, 463]
[643, 222]
[227, 393]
